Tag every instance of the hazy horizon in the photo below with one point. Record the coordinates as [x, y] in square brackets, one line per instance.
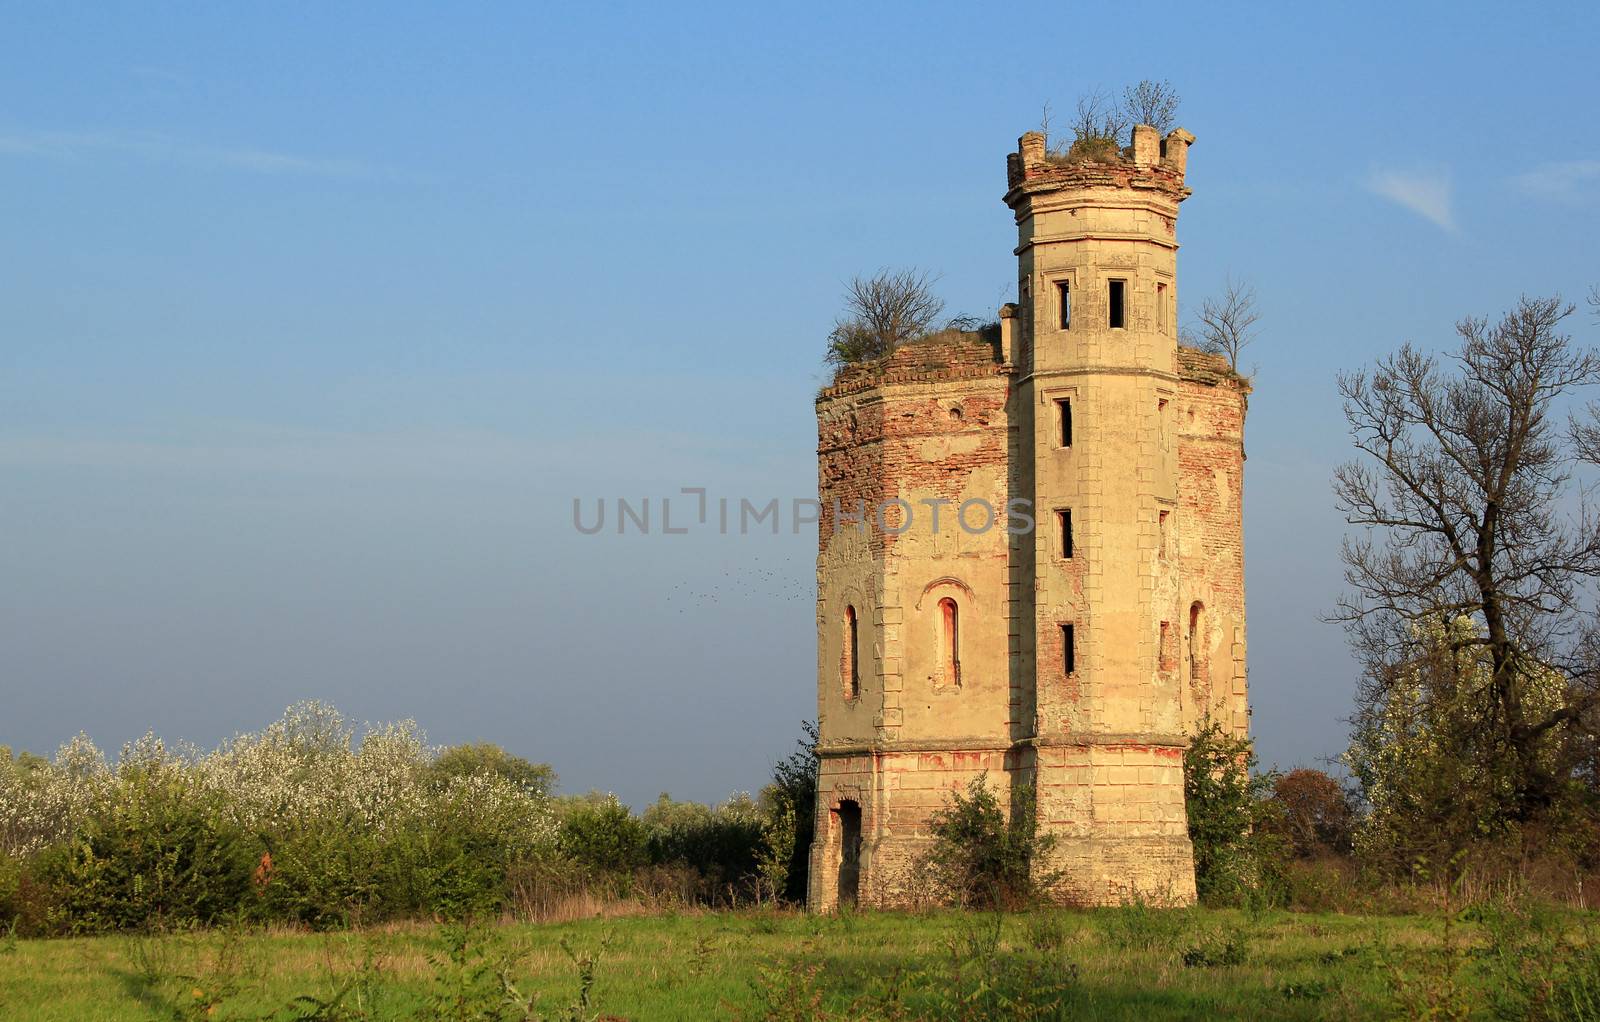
[314, 323]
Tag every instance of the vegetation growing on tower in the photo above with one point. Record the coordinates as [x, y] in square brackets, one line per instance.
[1101, 125]
[890, 309]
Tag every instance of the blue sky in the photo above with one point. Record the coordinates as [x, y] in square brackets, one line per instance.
[313, 321]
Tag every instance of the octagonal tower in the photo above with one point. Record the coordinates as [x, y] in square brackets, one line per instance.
[1068, 661]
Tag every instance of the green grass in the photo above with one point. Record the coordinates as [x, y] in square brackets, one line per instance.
[1109, 964]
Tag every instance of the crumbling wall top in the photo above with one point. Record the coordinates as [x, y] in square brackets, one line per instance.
[944, 355]
[1150, 162]
[1209, 368]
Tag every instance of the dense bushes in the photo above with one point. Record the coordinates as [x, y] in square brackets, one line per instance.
[1234, 823]
[309, 823]
[983, 859]
[1314, 814]
[1305, 840]
[791, 802]
[721, 843]
[163, 850]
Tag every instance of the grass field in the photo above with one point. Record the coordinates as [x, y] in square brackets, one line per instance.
[1109, 964]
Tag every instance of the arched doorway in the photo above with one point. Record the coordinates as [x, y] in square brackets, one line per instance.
[849, 814]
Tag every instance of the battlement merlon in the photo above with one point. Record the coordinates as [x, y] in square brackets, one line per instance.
[1151, 162]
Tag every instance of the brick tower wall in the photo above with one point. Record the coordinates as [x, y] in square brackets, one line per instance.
[927, 427]
[1210, 539]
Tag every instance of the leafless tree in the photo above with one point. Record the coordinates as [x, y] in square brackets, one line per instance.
[1102, 125]
[1098, 121]
[1468, 510]
[1227, 324]
[882, 312]
[1152, 103]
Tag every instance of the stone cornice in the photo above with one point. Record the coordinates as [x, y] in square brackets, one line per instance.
[978, 744]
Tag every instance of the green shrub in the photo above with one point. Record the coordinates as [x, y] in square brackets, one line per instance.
[10, 888]
[981, 859]
[794, 790]
[1238, 857]
[1328, 884]
[159, 851]
[604, 837]
[776, 855]
[325, 874]
[27, 903]
[450, 856]
[722, 843]
[485, 759]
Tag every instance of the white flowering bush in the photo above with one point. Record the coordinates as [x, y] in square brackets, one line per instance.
[309, 819]
[314, 820]
[156, 847]
[1430, 777]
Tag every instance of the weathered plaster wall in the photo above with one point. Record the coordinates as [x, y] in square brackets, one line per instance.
[938, 441]
[1153, 586]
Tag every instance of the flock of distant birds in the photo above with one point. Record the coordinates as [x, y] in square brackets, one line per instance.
[793, 579]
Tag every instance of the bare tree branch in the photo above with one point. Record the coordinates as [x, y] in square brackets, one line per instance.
[882, 312]
[1098, 118]
[1227, 324]
[1465, 502]
[1102, 125]
[1152, 103]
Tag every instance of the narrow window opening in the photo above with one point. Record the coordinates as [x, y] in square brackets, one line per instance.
[1064, 420]
[950, 619]
[850, 669]
[1064, 521]
[1161, 308]
[1197, 638]
[1069, 650]
[1161, 532]
[1165, 652]
[1064, 297]
[1117, 289]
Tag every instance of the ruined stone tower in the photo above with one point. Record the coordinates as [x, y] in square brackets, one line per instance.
[1068, 660]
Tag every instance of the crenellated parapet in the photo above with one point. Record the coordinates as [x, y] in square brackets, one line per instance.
[1151, 162]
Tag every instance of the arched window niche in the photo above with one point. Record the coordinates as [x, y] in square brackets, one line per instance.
[949, 642]
[1197, 643]
[850, 656]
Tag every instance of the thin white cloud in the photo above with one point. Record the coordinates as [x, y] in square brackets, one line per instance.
[1425, 193]
[77, 145]
[1568, 181]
